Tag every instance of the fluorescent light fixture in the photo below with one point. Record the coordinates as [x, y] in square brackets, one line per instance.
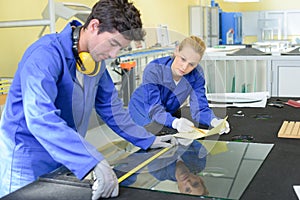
[242, 1]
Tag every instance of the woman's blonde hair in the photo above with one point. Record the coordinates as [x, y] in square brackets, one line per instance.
[195, 42]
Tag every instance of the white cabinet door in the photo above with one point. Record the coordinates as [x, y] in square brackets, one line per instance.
[286, 78]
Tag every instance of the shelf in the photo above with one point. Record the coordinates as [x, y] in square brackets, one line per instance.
[51, 13]
[38, 22]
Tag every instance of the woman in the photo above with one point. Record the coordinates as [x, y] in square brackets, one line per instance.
[167, 83]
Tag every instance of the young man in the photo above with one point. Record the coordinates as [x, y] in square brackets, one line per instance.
[167, 83]
[54, 90]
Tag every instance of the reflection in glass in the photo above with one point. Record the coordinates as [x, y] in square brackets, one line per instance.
[180, 164]
[210, 168]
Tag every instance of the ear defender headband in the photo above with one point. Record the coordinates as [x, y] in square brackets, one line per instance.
[84, 61]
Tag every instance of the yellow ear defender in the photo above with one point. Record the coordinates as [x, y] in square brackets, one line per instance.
[87, 65]
[84, 61]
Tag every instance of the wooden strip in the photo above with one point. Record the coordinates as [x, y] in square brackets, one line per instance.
[4, 86]
[291, 136]
[4, 91]
[282, 129]
[289, 128]
[296, 129]
[4, 81]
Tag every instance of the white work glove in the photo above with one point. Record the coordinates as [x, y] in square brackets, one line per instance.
[105, 181]
[162, 141]
[215, 122]
[182, 125]
[185, 141]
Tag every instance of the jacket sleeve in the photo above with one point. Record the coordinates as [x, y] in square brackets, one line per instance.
[200, 110]
[110, 108]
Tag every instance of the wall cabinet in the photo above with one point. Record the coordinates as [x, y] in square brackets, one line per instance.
[204, 23]
[279, 75]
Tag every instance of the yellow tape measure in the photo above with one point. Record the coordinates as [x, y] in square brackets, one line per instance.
[143, 164]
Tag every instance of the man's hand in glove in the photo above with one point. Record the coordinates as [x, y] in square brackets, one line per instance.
[215, 122]
[162, 141]
[182, 125]
[106, 182]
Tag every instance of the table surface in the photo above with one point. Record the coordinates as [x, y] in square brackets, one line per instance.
[279, 172]
[274, 180]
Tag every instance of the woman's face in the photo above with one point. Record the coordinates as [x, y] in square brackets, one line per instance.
[185, 61]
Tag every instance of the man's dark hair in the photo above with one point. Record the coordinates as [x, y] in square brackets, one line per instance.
[118, 15]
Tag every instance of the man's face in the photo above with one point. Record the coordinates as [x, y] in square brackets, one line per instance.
[106, 45]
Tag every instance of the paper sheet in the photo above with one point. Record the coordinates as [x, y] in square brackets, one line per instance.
[214, 147]
[251, 99]
[197, 134]
[297, 190]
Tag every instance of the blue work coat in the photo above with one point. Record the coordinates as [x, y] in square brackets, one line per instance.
[158, 97]
[47, 113]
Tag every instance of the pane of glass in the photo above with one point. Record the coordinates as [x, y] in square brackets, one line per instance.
[211, 168]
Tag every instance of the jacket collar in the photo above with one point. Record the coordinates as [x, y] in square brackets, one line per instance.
[66, 41]
[65, 38]
[167, 71]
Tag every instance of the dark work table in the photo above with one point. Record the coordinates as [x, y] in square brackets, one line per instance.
[280, 170]
[274, 180]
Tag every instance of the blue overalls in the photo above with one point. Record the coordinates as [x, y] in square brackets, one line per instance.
[47, 113]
